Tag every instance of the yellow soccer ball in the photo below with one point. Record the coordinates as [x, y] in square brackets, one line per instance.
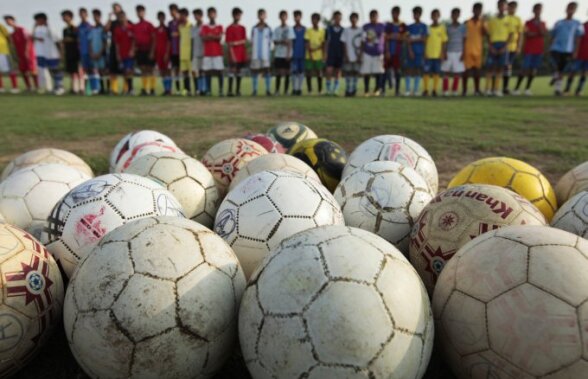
[513, 174]
[325, 157]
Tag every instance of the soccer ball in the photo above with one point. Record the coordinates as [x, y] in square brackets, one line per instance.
[32, 298]
[226, 158]
[459, 215]
[269, 207]
[186, 178]
[325, 157]
[573, 215]
[271, 145]
[384, 198]
[397, 149]
[28, 195]
[274, 162]
[513, 174]
[131, 141]
[336, 302]
[572, 183]
[289, 134]
[44, 156]
[88, 212]
[513, 304]
[2, 219]
[157, 298]
[141, 150]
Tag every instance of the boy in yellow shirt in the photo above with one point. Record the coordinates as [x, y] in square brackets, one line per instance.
[499, 33]
[435, 52]
[514, 47]
[5, 60]
[185, 32]
[315, 38]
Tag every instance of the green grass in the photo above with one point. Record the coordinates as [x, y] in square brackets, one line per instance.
[550, 133]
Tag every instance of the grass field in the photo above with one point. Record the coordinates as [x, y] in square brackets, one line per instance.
[550, 133]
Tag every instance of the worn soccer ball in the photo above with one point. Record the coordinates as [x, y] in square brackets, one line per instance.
[226, 158]
[32, 298]
[45, 156]
[269, 207]
[270, 144]
[336, 302]
[397, 149]
[384, 198]
[459, 215]
[124, 148]
[28, 195]
[513, 304]
[2, 219]
[290, 133]
[573, 215]
[186, 178]
[325, 157]
[572, 183]
[513, 174]
[144, 149]
[88, 212]
[157, 298]
[274, 162]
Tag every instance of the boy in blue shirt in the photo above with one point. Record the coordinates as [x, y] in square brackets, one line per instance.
[416, 37]
[97, 54]
[84, 41]
[565, 41]
[298, 54]
[335, 54]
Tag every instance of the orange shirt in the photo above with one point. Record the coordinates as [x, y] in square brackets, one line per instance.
[474, 37]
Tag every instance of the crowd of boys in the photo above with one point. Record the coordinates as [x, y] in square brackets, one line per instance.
[187, 52]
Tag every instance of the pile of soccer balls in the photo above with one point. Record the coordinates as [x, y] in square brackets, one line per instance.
[321, 265]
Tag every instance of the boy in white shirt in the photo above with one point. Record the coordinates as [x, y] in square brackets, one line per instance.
[261, 45]
[48, 56]
[283, 37]
[351, 39]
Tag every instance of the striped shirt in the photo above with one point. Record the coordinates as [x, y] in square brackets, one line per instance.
[261, 42]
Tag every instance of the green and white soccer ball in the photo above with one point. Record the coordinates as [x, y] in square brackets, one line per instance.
[46, 156]
[186, 178]
[157, 298]
[573, 215]
[28, 195]
[336, 302]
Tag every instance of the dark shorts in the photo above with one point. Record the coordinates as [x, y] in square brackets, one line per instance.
[281, 64]
[433, 66]
[72, 64]
[86, 62]
[113, 65]
[128, 64]
[394, 62]
[561, 61]
[143, 58]
[335, 61]
[175, 61]
[532, 61]
[498, 59]
[237, 66]
[582, 65]
[298, 66]
[511, 58]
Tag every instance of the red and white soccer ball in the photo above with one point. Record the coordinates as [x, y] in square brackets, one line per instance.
[136, 144]
[226, 158]
[269, 143]
[45, 156]
[32, 298]
[88, 212]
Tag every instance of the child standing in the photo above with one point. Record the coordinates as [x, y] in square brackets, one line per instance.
[185, 31]
[434, 52]
[334, 54]
[395, 36]
[315, 38]
[351, 39]
[125, 50]
[71, 51]
[236, 38]
[298, 54]
[48, 56]
[213, 62]
[283, 37]
[453, 64]
[416, 37]
[372, 59]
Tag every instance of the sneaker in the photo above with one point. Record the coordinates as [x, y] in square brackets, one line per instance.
[516, 93]
[434, 94]
[446, 94]
[2, 90]
[528, 93]
[268, 93]
[230, 94]
[143, 92]
[152, 92]
[59, 92]
[506, 92]
[489, 93]
[456, 94]
[425, 94]
[238, 94]
[478, 94]
[254, 93]
[558, 93]
[378, 93]
[407, 94]
[367, 94]
[14, 91]
[498, 94]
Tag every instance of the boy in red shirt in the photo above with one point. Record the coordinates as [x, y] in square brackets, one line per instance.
[162, 53]
[582, 64]
[535, 32]
[144, 32]
[25, 52]
[125, 49]
[212, 64]
[236, 38]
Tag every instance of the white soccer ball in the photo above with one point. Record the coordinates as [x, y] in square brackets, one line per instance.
[157, 298]
[2, 221]
[573, 215]
[87, 213]
[28, 195]
[572, 183]
[336, 302]
[397, 149]
[186, 178]
[269, 207]
[226, 158]
[144, 149]
[513, 303]
[274, 162]
[459, 215]
[31, 298]
[121, 147]
[384, 198]
[139, 143]
[45, 156]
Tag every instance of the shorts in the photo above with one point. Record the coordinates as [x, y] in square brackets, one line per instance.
[213, 64]
[50, 64]
[433, 66]
[237, 66]
[372, 65]
[352, 68]
[298, 65]
[314, 65]
[196, 64]
[162, 62]
[113, 65]
[453, 64]
[127, 64]
[498, 59]
[5, 66]
[532, 61]
[282, 64]
[561, 61]
[185, 65]
[417, 62]
[144, 59]
[26, 65]
[473, 61]
[97, 64]
[511, 58]
[72, 64]
[86, 62]
[582, 65]
[175, 61]
[260, 64]
[394, 62]
[335, 61]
